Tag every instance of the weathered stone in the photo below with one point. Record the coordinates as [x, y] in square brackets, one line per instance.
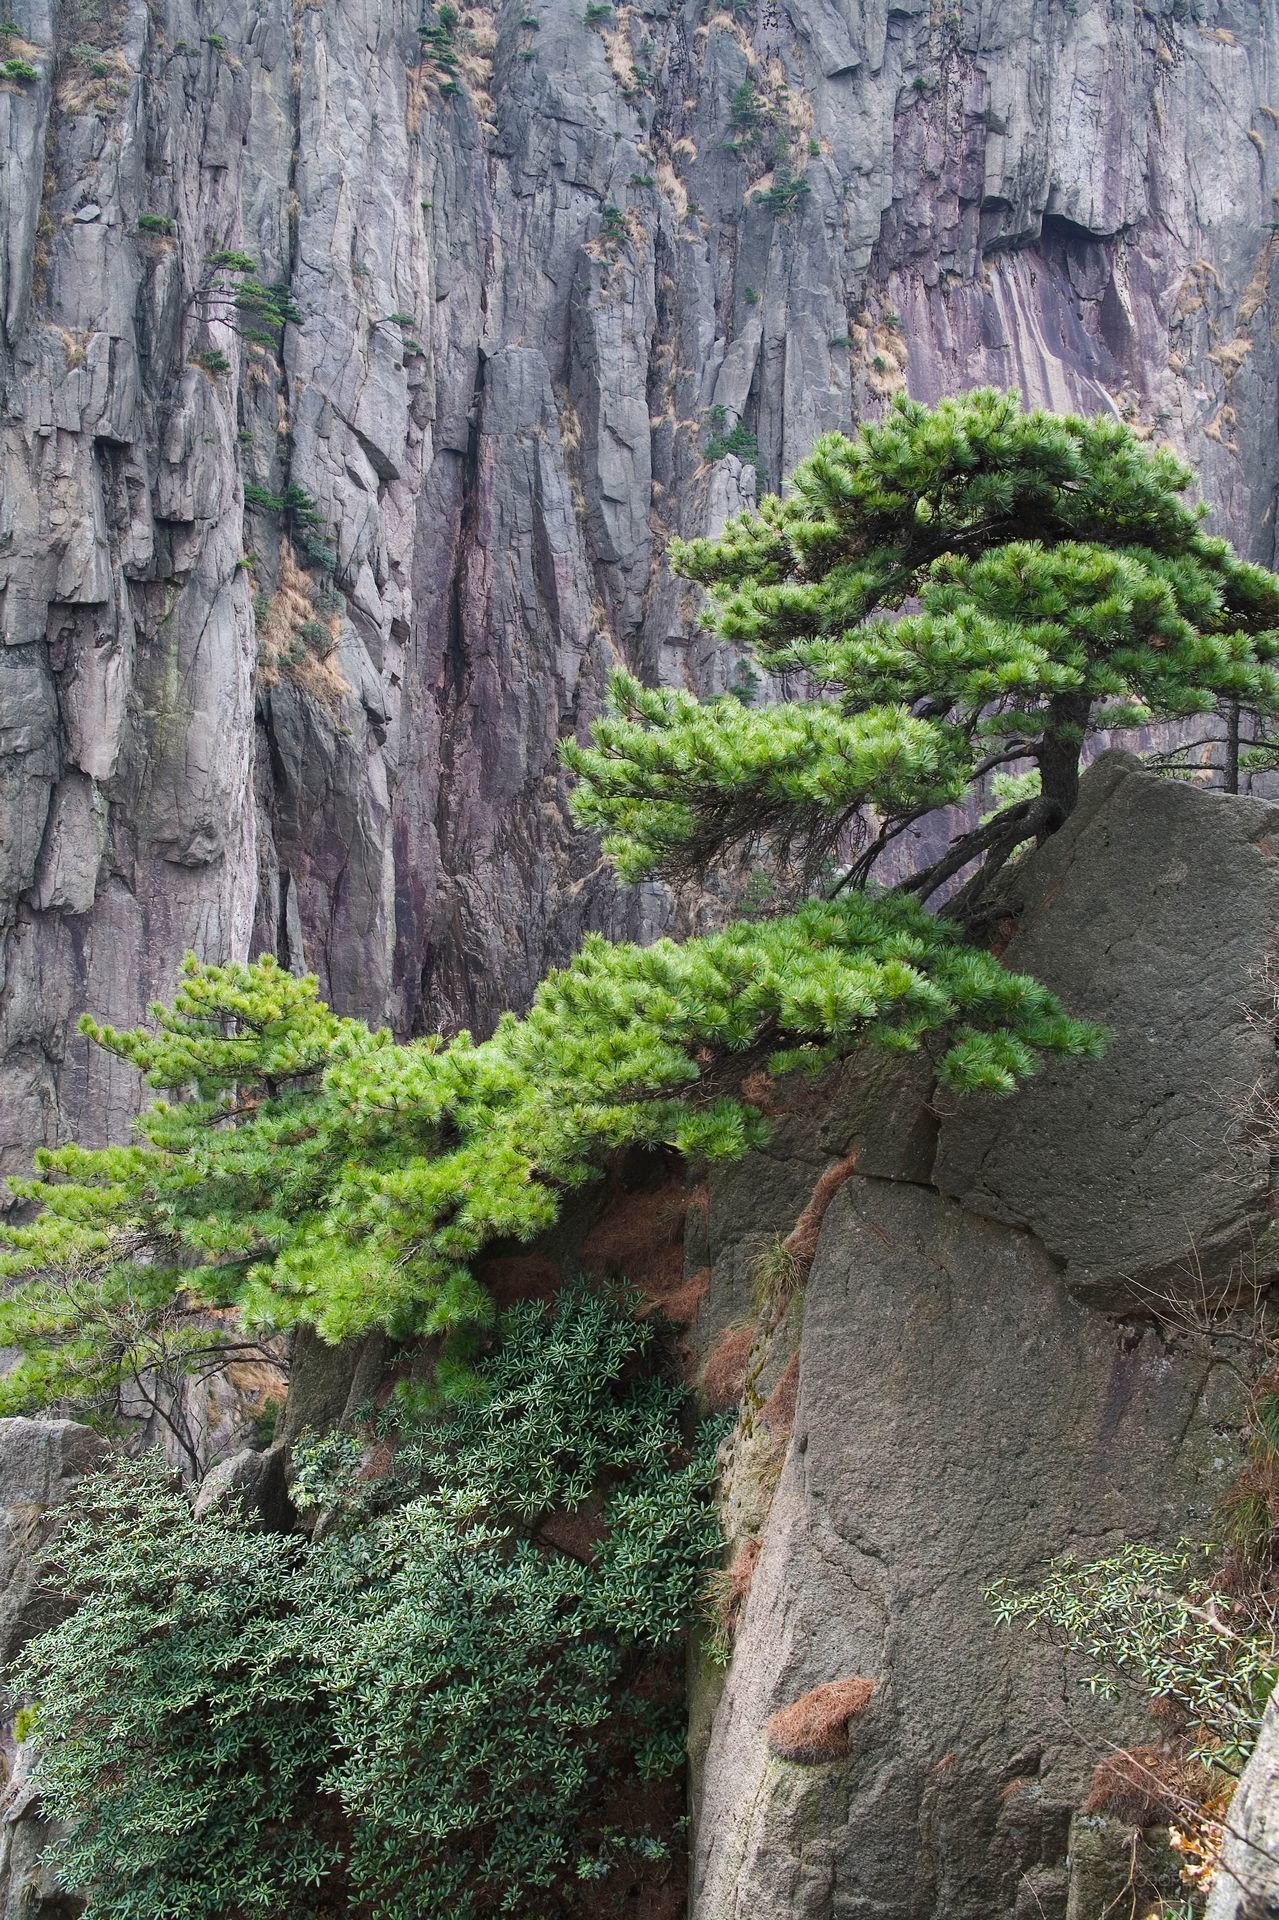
[916, 1477]
[41, 1462]
[28, 1890]
[1246, 1885]
[326, 1382]
[256, 1481]
[499, 402]
[1148, 1171]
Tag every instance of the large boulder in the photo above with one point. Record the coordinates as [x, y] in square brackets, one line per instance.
[1148, 1172]
[41, 1464]
[1246, 1884]
[1003, 1352]
[960, 1417]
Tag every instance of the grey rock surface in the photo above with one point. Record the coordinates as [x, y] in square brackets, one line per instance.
[326, 1383]
[28, 1890]
[960, 1418]
[1148, 1172]
[1074, 200]
[256, 1481]
[976, 1391]
[1246, 1884]
[41, 1463]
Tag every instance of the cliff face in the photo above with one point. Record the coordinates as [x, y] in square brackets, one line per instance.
[993, 1344]
[532, 264]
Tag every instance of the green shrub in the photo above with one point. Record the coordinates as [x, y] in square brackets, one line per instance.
[262, 498]
[409, 1719]
[1153, 1619]
[232, 293]
[154, 223]
[21, 70]
[1005, 580]
[214, 361]
[786, 192]
[613, 234]
[311, 1170]
[739, 440]
[181, 1723]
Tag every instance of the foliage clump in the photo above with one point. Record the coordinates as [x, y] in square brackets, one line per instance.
[310, 1170]
[966, 587]
[416, 1715]
[232, 294]
[1157, 1619]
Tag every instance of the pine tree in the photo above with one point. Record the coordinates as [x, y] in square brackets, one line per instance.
[963, 587]
[310, 1170]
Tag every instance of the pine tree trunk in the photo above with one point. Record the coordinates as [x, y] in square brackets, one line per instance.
[1232, 747]
[1058, 753]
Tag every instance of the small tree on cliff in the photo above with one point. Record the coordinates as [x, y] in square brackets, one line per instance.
[959, 588]
[964, 587]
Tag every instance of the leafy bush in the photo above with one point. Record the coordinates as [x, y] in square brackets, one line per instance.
[232, 294]
[154, 223]
[180, 1723]
[303, 514]
[787, 190]
[410, 1719]
[739, 440]
[19, 70]
[1151, 1617]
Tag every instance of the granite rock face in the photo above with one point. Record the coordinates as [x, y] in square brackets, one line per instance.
[530, 269]
[959, 1417]
[1152, 911]
[1001, 1351]
[1246, 1886]
[41, 1463]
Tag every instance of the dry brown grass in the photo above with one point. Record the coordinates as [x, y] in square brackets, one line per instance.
[729, 1588]
[518, 1276]
[289, 646]
[1221, 428]
[1257, 291]
[96, 85]
[1150, 1786]
[778, 1411]
[886, 360]
[801, 1242]
[815, 1727]
[724, 1375]
[74, 345]
[639, 1238]
[1231, 355]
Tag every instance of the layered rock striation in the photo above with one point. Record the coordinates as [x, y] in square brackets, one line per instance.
[567, 280]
